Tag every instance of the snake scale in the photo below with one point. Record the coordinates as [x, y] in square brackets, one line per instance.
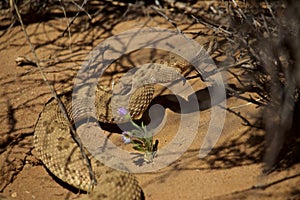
[61, 155]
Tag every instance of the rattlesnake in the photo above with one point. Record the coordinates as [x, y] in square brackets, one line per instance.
[59, 152]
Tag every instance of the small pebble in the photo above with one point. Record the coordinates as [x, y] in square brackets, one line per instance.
[14, 195]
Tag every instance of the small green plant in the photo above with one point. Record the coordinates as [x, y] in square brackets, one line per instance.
[141, 138]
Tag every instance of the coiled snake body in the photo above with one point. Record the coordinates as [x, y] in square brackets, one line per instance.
[59, 152]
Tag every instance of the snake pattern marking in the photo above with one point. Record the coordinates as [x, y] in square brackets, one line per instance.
[60, 153]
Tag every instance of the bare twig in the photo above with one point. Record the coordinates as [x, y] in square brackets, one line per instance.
[52, 90]
[212, 26]
[160, 12]
[68, 23]
[72, 21]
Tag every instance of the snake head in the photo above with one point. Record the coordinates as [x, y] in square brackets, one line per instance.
[146, 74]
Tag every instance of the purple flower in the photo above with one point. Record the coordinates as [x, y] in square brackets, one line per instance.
[122, 111]
[126, 137]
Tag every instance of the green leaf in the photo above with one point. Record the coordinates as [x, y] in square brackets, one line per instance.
[136, 133]
[136, 141]
[138, 148]
[135, 125]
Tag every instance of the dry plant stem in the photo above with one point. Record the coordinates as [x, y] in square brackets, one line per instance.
[72, 21]
[68, 23]
[212, 26]
[246, 122]
[62, 107]
[82, 9]
[166, 17]
[250, 99]
[270, 9]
